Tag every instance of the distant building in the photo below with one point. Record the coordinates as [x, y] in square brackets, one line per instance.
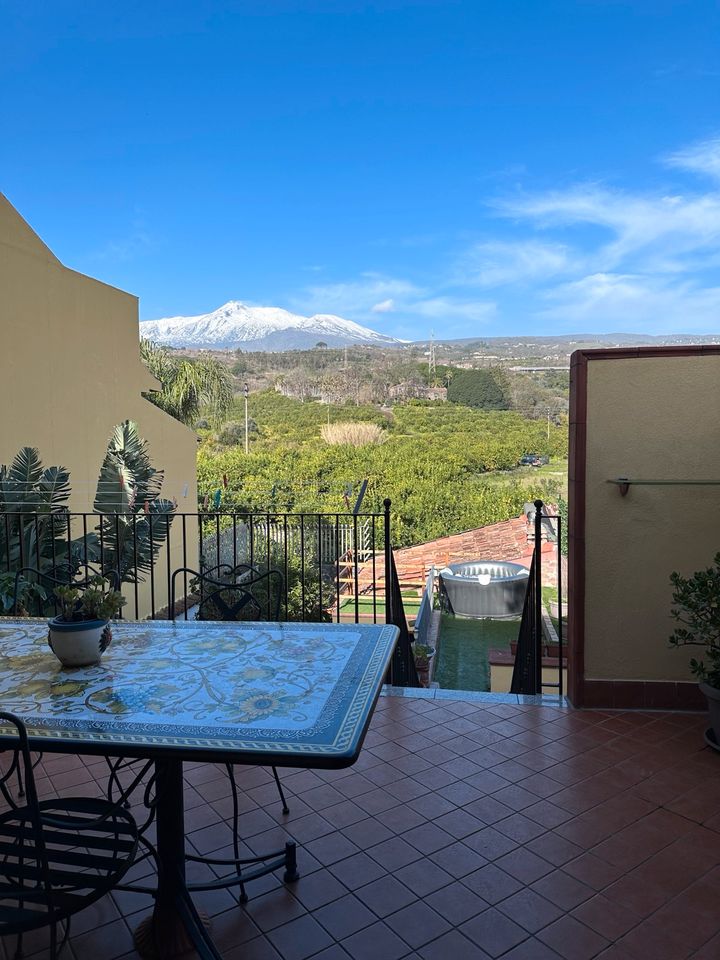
[416, 390]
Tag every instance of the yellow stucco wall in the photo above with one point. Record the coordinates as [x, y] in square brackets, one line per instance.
[647, 418]
[501, 678]
[70, 370]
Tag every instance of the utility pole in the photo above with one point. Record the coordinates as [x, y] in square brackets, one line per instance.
[431, 360]
[246, 392]
[548, 421]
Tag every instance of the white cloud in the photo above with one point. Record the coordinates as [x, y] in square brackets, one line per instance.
[627, 302]
[356, 297]
[640, 226]
[589, 255]
[496, 263]
[702, 157]
[453, 308]
[385, 306]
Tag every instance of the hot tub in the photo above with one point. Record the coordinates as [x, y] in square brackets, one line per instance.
[484, 588]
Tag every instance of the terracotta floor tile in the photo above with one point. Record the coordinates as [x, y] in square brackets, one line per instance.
[493, 931]
[335, 952]
[524, 865]
[562, 889]
[568, 830]
[530, 910]
[357, 870]
[453, 946]
[459, 823]
[109, 940]
[274, 908]
[520, 828]
[399, 819]
[532, 949]
[427, 838]
[593, 871]
[343, 917]
[670, 941]
[490, 843]
[418, 924]
[572, 940]
[491, 883]
[642, 898]
[395, 853]
[489, 810]
[386, 895]
[299, 939]
[331, 848]
[709, 950]
[367, 832]
[458, 859]
[556, 850]
[376, 801]
[319, 889]
[456, 903]
[375, 942]
[487, 781]
[423, 877]
[232, 928]
[407, 789]
[432, 805]
[609, 918]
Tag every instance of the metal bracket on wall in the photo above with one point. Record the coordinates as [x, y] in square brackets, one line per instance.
[624, 483]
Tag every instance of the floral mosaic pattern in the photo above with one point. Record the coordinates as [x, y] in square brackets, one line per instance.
[269, 687]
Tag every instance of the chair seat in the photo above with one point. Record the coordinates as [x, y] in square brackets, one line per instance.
[86, 854]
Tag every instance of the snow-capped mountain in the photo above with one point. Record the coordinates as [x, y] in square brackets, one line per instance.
[236, 325]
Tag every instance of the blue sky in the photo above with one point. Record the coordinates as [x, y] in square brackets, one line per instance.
[473, 167]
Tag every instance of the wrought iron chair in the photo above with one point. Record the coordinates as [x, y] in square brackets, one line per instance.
[232, 593]
[227, 593]
[56, 856]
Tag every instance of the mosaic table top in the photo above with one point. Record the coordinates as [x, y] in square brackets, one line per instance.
[299, 692]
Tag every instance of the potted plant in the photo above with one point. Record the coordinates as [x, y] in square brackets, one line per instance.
[696, 606]
[423, 654]
[80, 633]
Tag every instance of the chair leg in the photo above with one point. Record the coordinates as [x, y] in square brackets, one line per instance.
[280, 791]
[242, 897]
[19, 948]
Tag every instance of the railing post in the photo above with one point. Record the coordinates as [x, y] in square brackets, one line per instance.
[388, 563]
[537, 617]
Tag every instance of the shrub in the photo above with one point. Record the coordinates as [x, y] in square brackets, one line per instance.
[233, 432]
[478, 388]
[352, 434]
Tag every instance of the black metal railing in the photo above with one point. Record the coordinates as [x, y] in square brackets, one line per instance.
[535, 637]
[335, 567]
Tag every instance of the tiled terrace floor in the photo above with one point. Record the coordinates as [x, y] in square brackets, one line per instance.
[465, 830]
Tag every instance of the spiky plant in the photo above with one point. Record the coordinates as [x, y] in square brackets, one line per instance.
[34, 523]
[136, 519]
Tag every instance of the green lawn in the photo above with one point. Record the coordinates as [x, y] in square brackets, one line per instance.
[464, 647]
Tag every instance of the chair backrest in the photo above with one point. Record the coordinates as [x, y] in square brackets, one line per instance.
[14, 866]
[40, 603]
[229, 593]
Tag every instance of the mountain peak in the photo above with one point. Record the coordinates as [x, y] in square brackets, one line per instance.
[236, 325]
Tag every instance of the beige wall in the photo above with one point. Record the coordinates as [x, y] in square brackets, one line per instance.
[647, 418]
[70, 370]
[501, 678]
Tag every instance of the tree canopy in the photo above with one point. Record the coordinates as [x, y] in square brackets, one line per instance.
[189, 386]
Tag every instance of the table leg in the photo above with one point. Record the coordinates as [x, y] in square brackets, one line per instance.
[166, 935]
